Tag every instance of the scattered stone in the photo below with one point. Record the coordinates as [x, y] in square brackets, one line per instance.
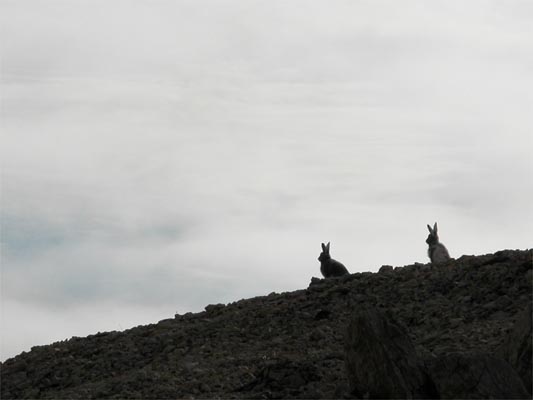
[278, 379]
[475, 376]
[291, 345]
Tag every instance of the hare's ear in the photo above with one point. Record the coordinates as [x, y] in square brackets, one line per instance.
[435, 228]
[327, 247]
[429, 229]
[324, 249]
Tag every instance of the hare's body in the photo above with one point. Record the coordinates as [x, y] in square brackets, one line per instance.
[332, 268]
[437, 252]
[328, 266]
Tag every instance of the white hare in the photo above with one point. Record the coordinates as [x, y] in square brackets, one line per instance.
[328, 266]
[437, 252]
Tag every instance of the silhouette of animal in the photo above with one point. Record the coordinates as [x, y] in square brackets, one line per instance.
[328, 266]
[437, 252]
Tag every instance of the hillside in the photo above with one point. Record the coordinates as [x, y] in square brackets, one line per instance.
[288, 345]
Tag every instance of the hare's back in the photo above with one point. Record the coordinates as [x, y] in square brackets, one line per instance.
[337, 269]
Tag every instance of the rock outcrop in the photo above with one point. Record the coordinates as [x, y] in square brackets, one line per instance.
[517, 347]
[381, 361]
[292, 345]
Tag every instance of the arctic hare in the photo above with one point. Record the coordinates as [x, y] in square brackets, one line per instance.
[328, 266]
[437, 252]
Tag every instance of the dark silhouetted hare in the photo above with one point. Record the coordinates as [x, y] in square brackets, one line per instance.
[437, 252]
[328, 266]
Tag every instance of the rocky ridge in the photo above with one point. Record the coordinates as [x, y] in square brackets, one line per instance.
[292, 345]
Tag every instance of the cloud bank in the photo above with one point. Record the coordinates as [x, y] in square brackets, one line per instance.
[158, 157]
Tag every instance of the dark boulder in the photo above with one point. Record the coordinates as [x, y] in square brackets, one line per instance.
[517, 348]
[475, 376]
[381, 362]
[386, 269]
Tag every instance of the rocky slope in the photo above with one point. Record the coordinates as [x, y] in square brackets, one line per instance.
[292, 345]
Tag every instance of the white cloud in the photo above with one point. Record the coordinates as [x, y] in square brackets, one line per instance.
[27, 325]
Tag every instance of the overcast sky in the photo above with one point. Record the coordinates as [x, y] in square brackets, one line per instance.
[159, 156]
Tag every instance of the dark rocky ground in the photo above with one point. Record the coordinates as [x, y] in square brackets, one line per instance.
[292, 345]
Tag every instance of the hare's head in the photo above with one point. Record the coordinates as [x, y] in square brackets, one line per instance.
[324, 256]
[433, 237]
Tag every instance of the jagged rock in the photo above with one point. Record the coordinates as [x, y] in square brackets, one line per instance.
[386, 269]
[475, 376]
[214, 308]
[381, 361]
[517, 348]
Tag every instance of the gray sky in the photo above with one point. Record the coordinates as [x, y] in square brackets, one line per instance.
[159, 156]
